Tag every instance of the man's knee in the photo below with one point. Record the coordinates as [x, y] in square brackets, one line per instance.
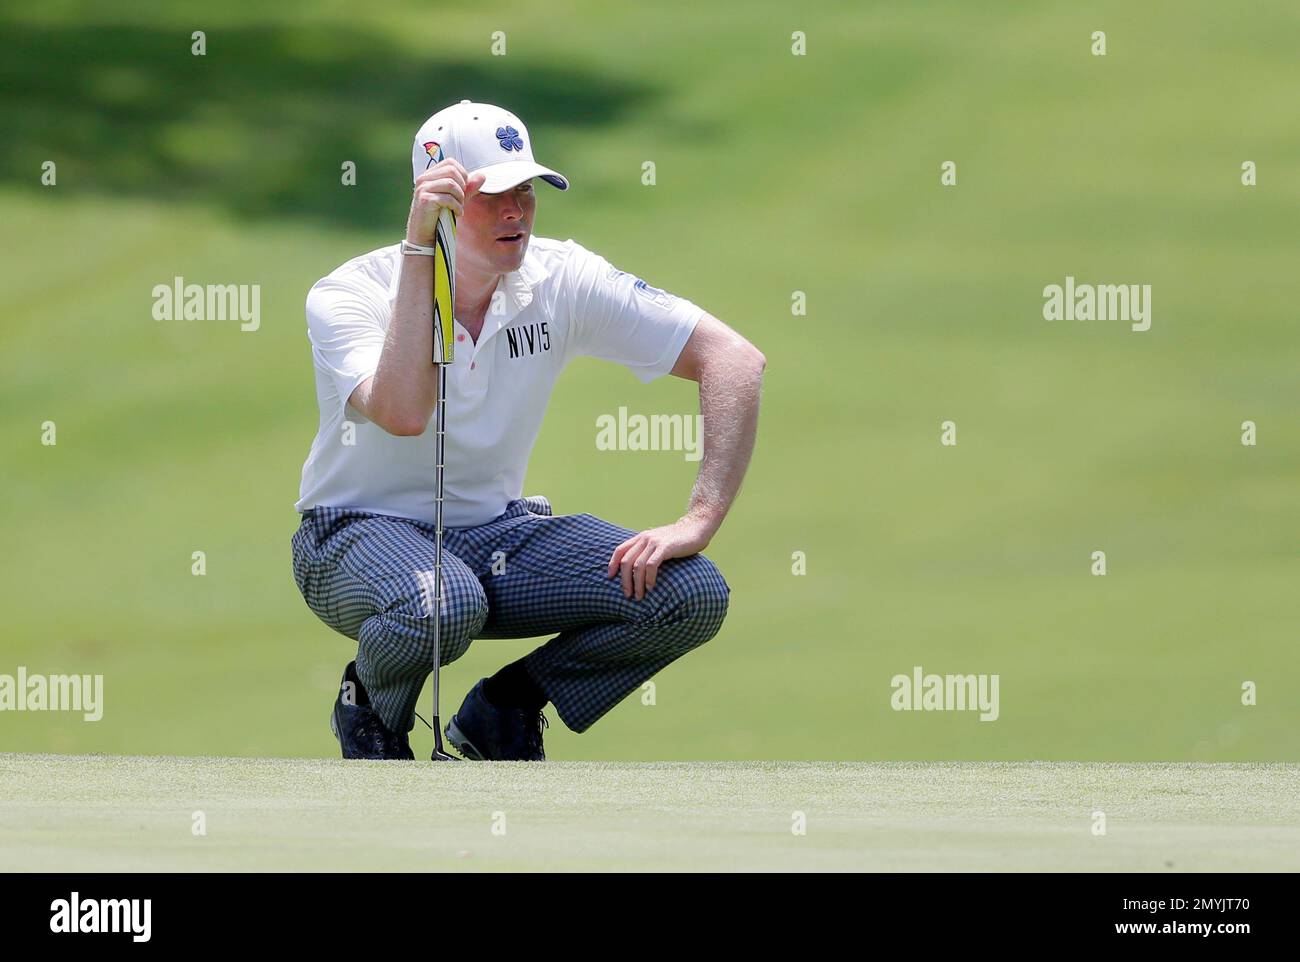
[464, 613]
[703, 595]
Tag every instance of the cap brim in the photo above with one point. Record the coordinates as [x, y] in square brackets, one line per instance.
[502, 177]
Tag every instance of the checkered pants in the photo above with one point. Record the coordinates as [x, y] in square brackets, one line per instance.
[370, 577]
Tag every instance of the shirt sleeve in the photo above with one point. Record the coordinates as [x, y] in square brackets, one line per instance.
[347, 332]
[619, 317]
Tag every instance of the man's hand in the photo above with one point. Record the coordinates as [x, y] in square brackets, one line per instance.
[445, 184]
[639, 557]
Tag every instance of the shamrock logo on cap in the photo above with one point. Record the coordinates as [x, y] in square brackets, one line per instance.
[510, 139]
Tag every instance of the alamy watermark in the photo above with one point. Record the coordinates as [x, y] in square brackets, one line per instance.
[655, 432]
[31, 692]
[1098, 302]
[179, 301]
[921, 692]
[75, 915]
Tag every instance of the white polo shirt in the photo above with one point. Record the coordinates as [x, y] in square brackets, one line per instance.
[562, 303]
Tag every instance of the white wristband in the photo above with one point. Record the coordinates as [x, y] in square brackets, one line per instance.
[409, 248]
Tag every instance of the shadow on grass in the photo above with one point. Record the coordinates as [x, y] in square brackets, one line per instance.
[261, 125]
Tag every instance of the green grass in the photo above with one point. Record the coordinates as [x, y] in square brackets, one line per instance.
[775, 173]
[67, 813]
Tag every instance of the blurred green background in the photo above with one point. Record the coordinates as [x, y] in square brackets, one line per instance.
[776, 173]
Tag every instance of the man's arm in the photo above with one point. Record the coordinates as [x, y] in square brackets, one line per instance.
[729, 371]
[402, 394]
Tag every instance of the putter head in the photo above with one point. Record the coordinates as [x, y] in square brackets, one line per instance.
[439, 753]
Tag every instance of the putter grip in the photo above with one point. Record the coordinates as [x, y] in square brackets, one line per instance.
[444, 288]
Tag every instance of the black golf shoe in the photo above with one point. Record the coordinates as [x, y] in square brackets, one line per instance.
[482, 732]
[357, 726]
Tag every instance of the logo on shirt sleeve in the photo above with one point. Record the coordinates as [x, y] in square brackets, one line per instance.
[660, 297]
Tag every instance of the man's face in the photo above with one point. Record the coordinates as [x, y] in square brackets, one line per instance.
[492, 235]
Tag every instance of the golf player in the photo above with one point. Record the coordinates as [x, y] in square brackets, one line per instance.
[620, 604]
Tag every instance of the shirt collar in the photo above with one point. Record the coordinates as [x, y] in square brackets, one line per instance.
[518, 284]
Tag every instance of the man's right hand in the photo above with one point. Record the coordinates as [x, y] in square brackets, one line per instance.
[445, 184]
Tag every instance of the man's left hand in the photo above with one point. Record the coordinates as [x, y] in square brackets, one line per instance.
[639, 557]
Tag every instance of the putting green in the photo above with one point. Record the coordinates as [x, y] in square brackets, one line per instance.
[106, 813]
[776, 173]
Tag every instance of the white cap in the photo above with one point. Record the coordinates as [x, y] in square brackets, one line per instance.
[485, 139]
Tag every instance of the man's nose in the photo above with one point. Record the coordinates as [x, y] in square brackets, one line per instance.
[510, 207]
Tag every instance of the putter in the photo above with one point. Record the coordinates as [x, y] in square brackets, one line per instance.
[439, 753]
[444, 283]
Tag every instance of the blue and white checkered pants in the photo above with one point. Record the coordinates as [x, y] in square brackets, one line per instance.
[370, 577]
